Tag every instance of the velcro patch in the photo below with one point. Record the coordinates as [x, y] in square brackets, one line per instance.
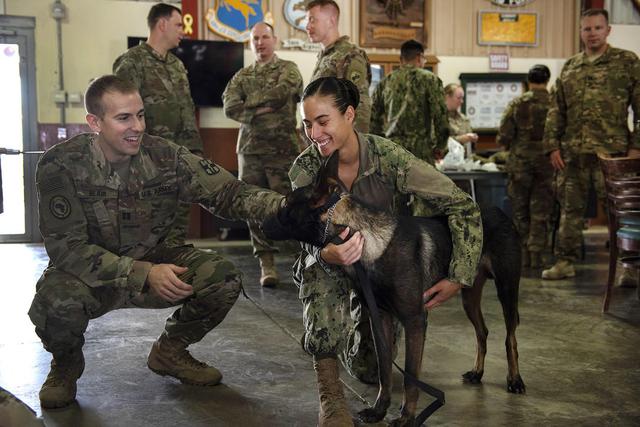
[60, 207]
[209, 168]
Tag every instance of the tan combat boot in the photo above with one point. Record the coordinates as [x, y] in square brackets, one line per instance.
[170, 357]
[535, 258]
[59, 389]
[268, 274]
[562, 269]
[334, 411]
[628, 278]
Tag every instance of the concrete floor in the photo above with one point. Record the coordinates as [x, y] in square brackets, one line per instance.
[581, 368]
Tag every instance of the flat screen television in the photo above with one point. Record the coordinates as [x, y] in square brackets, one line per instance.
[210, 65]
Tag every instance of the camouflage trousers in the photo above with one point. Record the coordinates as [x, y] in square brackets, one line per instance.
[178, 233]
[335, 320]
[530, 193]
[63, 305]
[266, 171]
[574, 182]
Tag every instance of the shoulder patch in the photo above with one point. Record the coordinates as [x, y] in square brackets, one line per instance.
[60, 207]
[209, 167]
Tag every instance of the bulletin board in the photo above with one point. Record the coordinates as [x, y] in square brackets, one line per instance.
[486, 96]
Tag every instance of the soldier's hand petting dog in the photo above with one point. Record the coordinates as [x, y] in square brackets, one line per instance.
[439, 293]
[163, 281]
[346, 253]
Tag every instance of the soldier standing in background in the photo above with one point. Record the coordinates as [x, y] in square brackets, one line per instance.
[162, 81]
[263, 98]
[588, 115]
[408, 106]
[530, 174]
[339, 58]
[459, 124]
[107, 201]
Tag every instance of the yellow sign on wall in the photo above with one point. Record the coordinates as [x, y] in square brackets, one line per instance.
[514, 29]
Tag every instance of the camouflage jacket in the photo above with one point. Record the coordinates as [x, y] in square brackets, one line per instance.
[589, 106]
[458, 123]
[389, 177]
[168, 108]
[276, 84]
[408, 108]
[522, 126]
[346, 61]
[96, 227]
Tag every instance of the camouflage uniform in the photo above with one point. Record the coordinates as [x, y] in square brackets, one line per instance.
[267, 143]
[390, 178]
[408, 107]
[530, 173]
[459, 124]
[168, 108]
[103, 234]
[588, 115]
[346, 61]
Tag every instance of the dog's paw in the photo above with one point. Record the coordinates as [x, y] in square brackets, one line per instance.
[403, 421]
[516, 385]
[472, 377]
[371, 415]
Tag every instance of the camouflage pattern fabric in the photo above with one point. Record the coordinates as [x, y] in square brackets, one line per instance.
[64, 304]
[408, 107]
[346, 61]
[103, 236]
[267, 143]
[276, 84]
[267, 171]
[530, 172]
[163, 85]
[590, 104]
[588, 115]
[168, 108]
[15, 413]
[574, 182]
[388, 178]
[459, 124]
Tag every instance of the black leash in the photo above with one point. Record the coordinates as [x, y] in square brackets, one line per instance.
[376, 322]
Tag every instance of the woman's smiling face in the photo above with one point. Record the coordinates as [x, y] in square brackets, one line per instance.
[325, 125]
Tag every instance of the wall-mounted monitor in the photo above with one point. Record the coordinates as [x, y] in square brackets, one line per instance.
[210, 65]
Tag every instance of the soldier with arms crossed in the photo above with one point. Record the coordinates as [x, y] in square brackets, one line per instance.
[263, 98]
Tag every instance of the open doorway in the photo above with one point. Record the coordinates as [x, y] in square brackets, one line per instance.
[18, 132]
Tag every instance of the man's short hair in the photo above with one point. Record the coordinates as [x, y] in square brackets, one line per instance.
[596, 12]
[539, 73]
[159, 11]
[98, 87]
[323, 3]
[410, 50]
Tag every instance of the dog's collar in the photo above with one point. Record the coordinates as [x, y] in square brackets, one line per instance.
[333, 201]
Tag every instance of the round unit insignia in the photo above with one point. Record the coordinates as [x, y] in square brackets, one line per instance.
[60, 207]
[295, 14]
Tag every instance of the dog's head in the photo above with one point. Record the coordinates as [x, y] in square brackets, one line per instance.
[306, 216]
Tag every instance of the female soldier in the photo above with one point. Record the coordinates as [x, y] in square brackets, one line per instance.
[389, 177]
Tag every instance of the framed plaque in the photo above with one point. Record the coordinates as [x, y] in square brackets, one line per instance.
[507, 29]
[388, 24]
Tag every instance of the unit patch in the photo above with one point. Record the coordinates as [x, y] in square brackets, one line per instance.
[60, 207]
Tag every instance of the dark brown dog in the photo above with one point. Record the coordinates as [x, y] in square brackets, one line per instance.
[403, 257]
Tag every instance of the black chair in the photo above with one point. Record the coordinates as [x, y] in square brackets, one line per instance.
[622, 183]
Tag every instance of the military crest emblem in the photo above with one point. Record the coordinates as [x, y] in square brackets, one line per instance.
[233, 19]
[295, 14]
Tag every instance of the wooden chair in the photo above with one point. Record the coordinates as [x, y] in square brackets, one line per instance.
[622, 183]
